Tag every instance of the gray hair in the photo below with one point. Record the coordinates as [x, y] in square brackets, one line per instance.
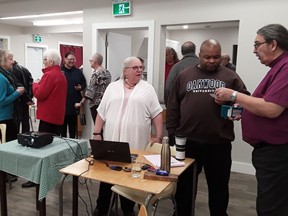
[126, 63]
[98, 58]
[53, 55]
[275, 32]
[4, 54]
[188, 47]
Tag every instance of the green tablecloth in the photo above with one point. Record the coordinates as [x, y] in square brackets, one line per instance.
[41, 165]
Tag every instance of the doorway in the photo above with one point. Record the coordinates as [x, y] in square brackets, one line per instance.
[34, 59]
[100, 30]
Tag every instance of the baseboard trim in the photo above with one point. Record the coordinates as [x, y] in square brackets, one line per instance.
[243, 168]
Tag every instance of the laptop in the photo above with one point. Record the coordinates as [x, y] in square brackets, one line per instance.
[110, 150]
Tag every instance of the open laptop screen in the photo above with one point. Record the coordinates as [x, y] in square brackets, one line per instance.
[110, 150]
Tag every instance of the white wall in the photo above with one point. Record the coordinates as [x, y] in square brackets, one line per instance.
[18, 38]
[251, 14]
[226, 36]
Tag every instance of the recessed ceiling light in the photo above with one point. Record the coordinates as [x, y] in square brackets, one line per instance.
[58, 22]
[42, 15]
[185, 27]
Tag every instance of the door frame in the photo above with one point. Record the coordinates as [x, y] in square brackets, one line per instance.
[98, 39]
[43, 46]
[8, 40]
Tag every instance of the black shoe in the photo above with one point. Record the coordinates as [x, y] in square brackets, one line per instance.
[11, 178]
[28, 184]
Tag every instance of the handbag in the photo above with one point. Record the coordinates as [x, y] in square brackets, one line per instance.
[82, 116]
[82, 119]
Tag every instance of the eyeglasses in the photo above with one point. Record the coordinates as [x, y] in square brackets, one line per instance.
[136, 68]
[258, 44]
[72, 60]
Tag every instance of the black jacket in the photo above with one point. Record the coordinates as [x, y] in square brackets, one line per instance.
[23, 77]
[74, 76]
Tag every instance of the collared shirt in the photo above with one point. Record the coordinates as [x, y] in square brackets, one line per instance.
[100, 79]
[273, 88]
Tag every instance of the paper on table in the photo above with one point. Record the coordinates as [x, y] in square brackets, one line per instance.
[155, 160]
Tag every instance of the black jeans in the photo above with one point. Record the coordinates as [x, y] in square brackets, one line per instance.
[216, 161]
[71, 122]
[24, 121]
[104, 198]
[93, 111]
[49, 128]
[271, 164]
[11, 133]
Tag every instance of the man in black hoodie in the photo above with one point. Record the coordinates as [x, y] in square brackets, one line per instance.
[23, 78]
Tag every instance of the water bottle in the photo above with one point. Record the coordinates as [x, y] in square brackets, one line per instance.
[165, 155]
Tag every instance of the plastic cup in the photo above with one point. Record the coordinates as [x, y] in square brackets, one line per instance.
[136, 168]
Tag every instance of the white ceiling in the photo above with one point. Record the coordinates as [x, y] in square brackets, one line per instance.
[10, 8]
[36, 7]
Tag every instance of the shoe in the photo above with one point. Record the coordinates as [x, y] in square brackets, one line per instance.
[11, 178]
[28, 184]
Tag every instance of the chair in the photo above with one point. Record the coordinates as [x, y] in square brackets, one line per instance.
[3, 140]
[3, 132]
[143, 198]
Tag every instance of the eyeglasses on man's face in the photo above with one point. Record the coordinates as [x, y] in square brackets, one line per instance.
[258, 44]
[136, 68]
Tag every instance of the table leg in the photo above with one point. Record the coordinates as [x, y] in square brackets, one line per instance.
[40, 204]
[3, 195]
[194, 192]
[61, 195]
[42, 207]
[75, 196]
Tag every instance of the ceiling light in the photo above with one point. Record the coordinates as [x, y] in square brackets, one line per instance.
[42, 15]
[185, 26]
[58, 22]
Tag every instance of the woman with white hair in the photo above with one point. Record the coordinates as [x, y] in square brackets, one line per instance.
[9, 93]
[51, 94]
[126, 111]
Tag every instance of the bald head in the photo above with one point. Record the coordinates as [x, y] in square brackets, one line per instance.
[210, 55]
[210, 44]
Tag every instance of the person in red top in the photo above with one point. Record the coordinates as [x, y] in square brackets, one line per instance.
[171, 59]
[51, 94]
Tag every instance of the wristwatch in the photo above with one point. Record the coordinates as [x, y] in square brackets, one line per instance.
[233, 96]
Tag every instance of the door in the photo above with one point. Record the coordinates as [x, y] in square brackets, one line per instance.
[34, 60]
[118, 49]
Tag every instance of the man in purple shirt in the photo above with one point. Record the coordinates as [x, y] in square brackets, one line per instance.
[265, 121]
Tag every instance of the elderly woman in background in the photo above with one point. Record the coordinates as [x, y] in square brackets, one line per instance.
[125, 113]
[8, 94]
[99, 81]
[51, 94]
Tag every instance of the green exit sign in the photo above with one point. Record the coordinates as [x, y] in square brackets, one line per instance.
[121, 9]
[37, 38]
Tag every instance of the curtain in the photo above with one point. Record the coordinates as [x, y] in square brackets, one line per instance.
[78, 50]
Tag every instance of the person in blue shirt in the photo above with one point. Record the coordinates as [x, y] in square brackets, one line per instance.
[9, 93]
